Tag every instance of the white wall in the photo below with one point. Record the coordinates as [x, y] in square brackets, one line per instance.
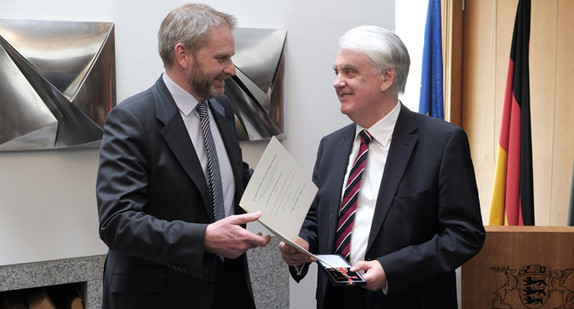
[410, 26]
[47, 198]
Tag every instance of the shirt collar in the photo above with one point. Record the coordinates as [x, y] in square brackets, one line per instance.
[382, 131]
[183, 99]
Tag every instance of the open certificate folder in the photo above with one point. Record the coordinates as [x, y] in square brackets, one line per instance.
[281, 190]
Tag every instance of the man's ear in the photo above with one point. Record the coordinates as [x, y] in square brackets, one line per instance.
[182, 56]
[388, 78]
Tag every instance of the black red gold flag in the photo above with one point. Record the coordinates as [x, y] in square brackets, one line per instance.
[513, 197]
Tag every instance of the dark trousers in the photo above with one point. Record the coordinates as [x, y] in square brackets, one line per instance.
[346, 297]
[231, 293]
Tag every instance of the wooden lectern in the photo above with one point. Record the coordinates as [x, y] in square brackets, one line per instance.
[521, 267]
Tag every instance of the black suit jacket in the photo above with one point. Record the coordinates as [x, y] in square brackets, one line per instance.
[427, 220]
[154, 206]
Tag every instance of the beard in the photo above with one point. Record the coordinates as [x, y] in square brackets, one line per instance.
[202, 85]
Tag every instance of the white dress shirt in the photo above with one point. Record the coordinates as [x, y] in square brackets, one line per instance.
[187, 107]
[382, 131]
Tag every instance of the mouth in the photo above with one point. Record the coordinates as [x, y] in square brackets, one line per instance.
[220, 80]
[345, 95]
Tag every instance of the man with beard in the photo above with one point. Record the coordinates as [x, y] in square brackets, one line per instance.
[171, 176]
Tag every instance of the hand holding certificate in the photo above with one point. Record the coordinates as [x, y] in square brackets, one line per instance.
[281, 190]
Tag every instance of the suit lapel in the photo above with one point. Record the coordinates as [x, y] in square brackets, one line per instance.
[176, 136]
[340, 161]
[229, 137]
[403, 142]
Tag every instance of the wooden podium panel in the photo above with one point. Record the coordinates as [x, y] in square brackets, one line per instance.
[521, 267]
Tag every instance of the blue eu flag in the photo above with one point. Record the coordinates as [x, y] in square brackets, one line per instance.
[431, 98]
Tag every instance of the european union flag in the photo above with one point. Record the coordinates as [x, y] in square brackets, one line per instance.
[431, 98]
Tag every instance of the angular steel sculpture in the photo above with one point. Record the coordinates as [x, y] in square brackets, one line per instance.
[257, 90]
[57, 83]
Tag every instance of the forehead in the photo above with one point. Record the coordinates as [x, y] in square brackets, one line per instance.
[219, 41]
[354, 59]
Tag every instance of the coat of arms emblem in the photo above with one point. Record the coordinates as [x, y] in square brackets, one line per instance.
[535, 284]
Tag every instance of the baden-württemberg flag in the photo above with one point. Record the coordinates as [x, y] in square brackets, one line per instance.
[512, 197]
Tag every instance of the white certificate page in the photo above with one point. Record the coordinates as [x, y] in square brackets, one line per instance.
[281, 190]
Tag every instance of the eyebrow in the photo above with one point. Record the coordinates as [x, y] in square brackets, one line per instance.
[224, 55]
[346, 66]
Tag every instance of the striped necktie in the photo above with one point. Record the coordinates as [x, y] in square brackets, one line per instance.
[214, 175]
[350, 197]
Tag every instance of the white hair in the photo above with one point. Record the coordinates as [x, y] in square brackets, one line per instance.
[383, 47]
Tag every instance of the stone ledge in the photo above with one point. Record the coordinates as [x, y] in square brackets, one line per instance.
[39, 274]
[269, 276]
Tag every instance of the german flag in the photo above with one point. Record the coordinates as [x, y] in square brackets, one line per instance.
[512, 197]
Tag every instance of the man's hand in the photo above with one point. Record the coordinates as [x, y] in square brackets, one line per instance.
[227, 238]
[292, 256]
[374, 274]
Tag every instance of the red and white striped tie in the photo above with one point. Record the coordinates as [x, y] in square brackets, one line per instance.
[349, 203]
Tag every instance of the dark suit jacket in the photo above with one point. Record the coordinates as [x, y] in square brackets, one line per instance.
[427, 220]
[154, 206]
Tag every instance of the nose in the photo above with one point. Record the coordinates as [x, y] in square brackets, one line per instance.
[339, 82]
[230, 68]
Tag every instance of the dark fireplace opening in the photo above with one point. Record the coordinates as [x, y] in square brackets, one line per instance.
[64, 296]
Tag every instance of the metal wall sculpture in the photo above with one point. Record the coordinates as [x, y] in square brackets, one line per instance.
[57, 83]
[257, 89]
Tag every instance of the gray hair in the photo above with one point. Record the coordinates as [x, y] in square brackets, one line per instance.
[383, 47]
[189, 24]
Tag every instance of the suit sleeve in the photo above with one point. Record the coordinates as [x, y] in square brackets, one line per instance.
[122, 191]
[459, 230]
